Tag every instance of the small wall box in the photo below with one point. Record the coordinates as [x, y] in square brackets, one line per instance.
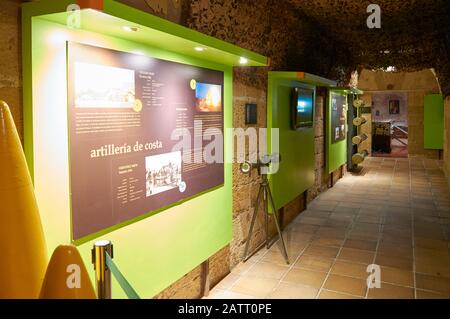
[251, 114]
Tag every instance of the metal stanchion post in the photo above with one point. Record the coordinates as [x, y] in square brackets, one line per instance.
[102, 273]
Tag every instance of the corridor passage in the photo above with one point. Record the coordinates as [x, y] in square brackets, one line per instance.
[396, 215]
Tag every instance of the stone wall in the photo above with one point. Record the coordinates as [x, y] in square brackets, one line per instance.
[416, 85]
[380, 107]
[321, 179]
[10, 61]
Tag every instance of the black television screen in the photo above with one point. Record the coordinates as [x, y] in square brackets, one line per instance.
[302, 108]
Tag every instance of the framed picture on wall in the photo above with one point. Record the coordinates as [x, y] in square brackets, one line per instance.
[394, 106]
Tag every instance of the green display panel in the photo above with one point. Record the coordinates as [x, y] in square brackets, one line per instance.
[433, 124]
[336, 148]
[153, 250]
[296, 147]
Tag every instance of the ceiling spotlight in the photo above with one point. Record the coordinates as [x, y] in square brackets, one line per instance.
[128, 28]
[199, 49]
[243, 60]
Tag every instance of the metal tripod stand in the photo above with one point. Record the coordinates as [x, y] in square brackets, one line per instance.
[265, 192]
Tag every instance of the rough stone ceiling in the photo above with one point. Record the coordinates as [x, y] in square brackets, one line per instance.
[413, 34]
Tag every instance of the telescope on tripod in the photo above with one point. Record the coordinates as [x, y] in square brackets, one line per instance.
[264, 195]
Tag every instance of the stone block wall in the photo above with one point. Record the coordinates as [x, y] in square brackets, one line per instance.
[321, 179]
[10, 61]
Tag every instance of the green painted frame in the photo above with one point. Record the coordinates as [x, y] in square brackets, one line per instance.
[297, 168]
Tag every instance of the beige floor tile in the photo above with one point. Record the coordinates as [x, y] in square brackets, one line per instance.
[316, 214]
[434, 283]
[327, 294]
[389, 249]
[369, 227]
[216, 294]
[328, 241]
[433, 266]
[352, 286]
[305, 277]
[423, 294]
[303, 228]
[350, 269]
[226, 294]
[360, 244]
[268, 270]
[397, 276]
[363, 235]
[293, 248]
[275, 257]
[313, 221]
[293, 291]
[428, 243]
[314, 263]
[321, 251]
[296, 237]
[396, 240]
[356, 255]
[443, 255]
[242, 267]
[254, 286]
[370, 219]
[320, 207]
[394, 262]
[388, 291]
[228, 281]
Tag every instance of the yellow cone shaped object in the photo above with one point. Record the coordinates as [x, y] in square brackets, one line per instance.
[22, 246]
[66, 276]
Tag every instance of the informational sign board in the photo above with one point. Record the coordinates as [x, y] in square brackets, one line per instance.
[141, 135]
[338, 117]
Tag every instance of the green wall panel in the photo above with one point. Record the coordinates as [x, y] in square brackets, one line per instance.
[336, 154]
[297, 167]
[433, 124]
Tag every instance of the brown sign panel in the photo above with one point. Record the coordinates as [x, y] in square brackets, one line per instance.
[338, 118]
[127, 154]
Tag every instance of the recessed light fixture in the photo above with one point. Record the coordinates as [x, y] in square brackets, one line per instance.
[199, 49]
[243, 60]
[390, 69]
[128, 28]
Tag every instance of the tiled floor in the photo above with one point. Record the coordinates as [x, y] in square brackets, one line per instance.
[396, 215]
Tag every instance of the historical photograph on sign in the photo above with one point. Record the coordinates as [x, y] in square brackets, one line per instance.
[208, 97]
[163, 172]
[99, 86]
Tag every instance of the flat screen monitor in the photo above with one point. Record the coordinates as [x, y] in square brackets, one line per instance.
[302, 108]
